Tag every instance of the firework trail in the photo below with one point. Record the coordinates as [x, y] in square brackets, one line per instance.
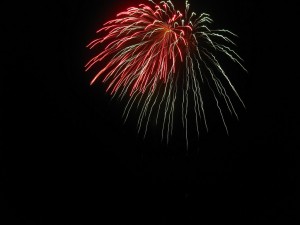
[162, 58]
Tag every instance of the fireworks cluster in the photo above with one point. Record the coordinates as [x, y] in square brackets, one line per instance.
[162, 59]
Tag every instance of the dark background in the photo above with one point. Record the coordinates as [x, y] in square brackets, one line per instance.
[67, 157]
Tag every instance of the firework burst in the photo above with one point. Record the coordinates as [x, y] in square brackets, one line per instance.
[162, 58]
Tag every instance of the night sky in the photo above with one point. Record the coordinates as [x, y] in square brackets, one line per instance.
[68, 158]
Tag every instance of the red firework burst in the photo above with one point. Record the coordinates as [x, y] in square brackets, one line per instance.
[156, 53]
